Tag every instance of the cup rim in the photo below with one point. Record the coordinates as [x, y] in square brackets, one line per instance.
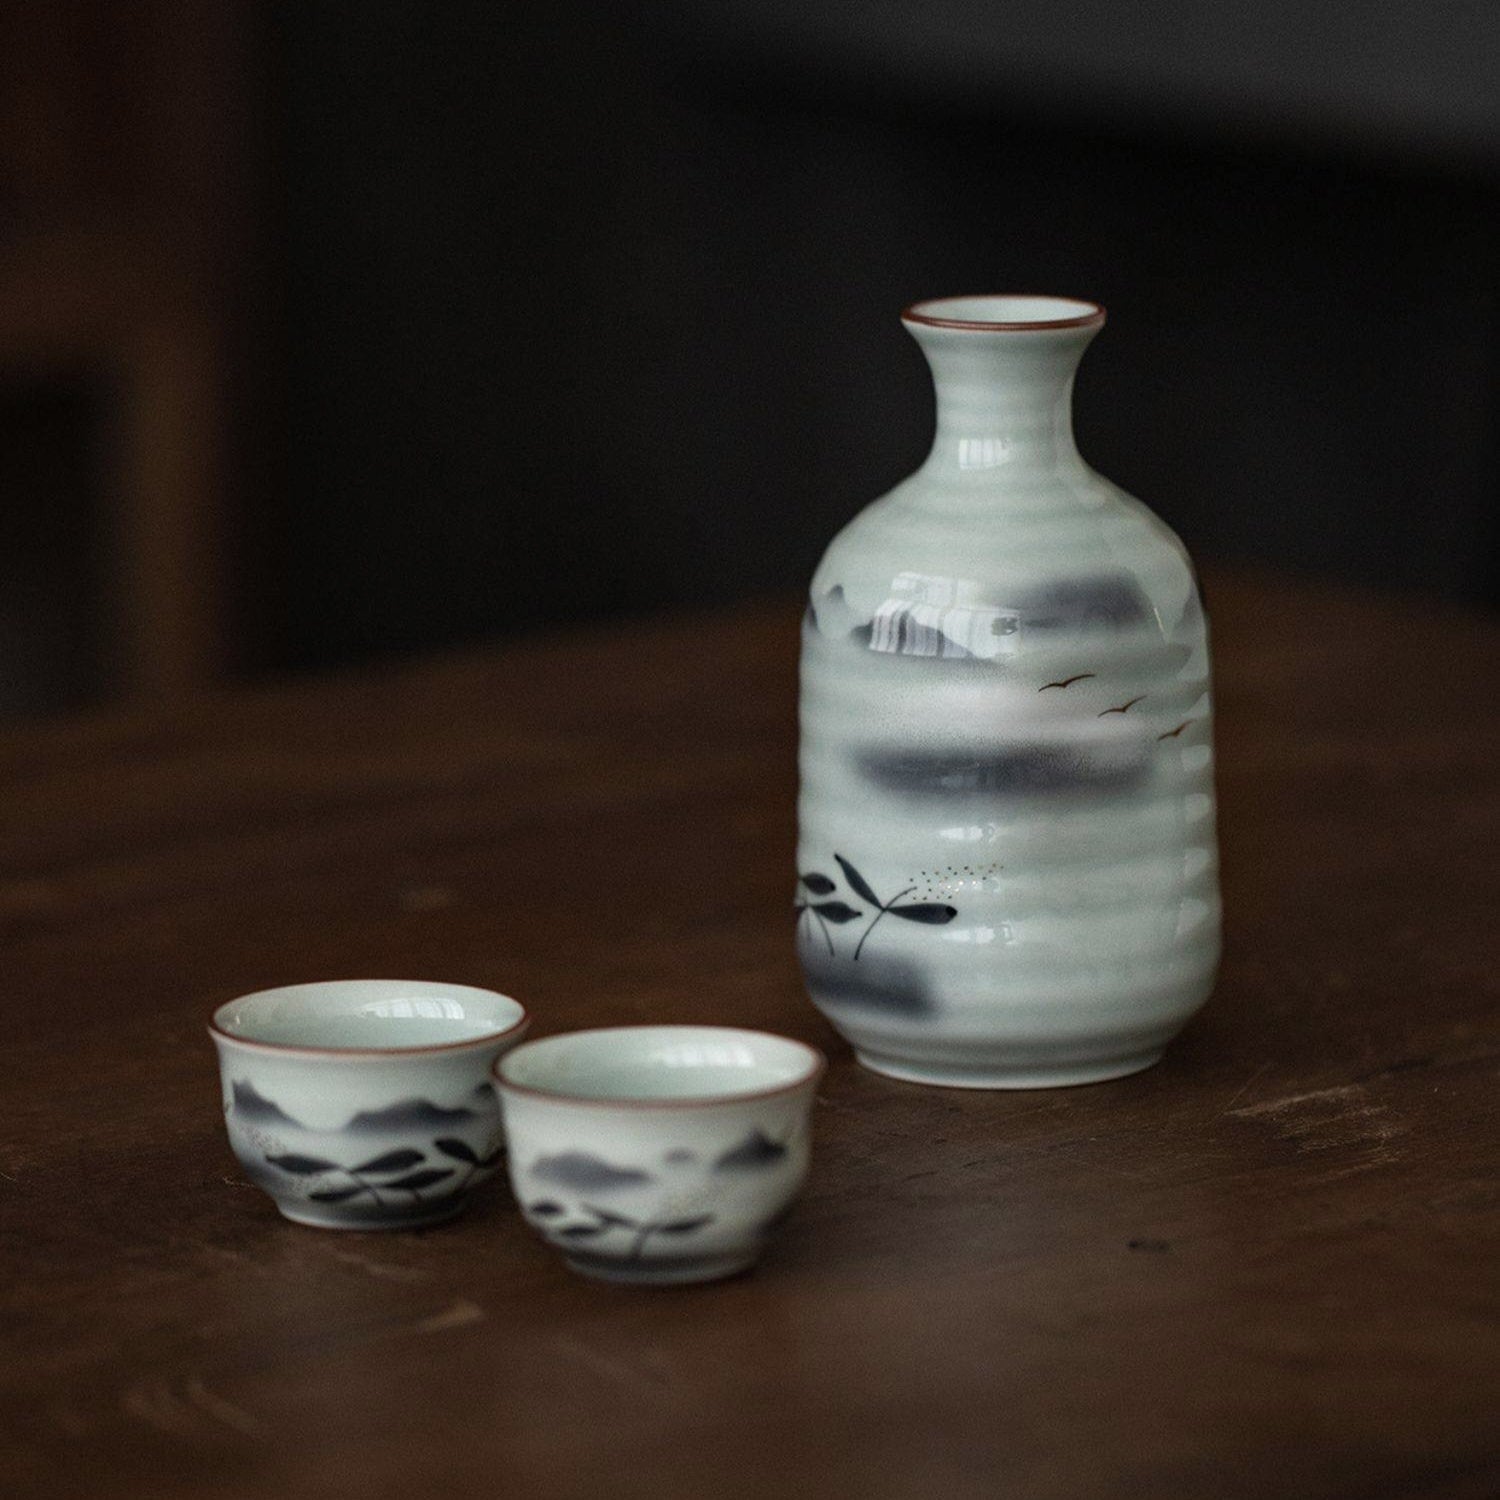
[817, 1066]
[926, 312]
[515, 1028]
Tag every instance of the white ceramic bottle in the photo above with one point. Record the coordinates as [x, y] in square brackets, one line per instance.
[1007, 873]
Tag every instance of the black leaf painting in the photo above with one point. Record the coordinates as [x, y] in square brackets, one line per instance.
[932, 913]
[462, 1151]
[603, 1222]
[392, 1161]
[337, 1195]
[823, 912]
[757, 1150]
[684, 1226]
[420, 1180]
[836, 911]
[857, 882]
[302, 1166]
[606, 1216]
[389, 1172]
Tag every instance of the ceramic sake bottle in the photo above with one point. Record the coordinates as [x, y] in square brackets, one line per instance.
[1007, 874]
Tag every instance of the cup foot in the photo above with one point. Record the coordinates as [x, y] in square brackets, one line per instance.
[315, 1217]
[675, 1272]
[1034, 1076]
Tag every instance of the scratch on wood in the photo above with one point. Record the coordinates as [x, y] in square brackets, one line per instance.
[1245, 1087]
[152, 1402]
[616, 1371]
[378, 1269]
[1324, 1118]
[1292, 1101]
[1351, 1169]
[459, 1315]
[223, 1411]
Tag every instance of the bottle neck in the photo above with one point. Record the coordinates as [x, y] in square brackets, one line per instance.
[1004, 399]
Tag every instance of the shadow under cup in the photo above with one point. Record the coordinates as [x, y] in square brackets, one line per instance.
[365, 1104]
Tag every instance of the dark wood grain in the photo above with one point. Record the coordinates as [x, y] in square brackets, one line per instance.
[1266, 1267]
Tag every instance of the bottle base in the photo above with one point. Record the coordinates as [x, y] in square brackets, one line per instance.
[1032, 1076]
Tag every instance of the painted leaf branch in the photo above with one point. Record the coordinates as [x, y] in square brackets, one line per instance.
[394, 1167]
[603, 1220]
[450, 1145]
[419, 1180]
[392, 1161]
[823, 912]
[836, 911]
[857, 882]
[933, 913]
[303, 1166]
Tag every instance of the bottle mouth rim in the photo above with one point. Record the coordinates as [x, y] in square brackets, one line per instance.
[1005, 312]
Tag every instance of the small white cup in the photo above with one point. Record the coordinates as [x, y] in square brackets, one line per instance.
[365, 1103]
[658, 1154]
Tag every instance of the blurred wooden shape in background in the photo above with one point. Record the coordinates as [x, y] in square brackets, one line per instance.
[125, 168]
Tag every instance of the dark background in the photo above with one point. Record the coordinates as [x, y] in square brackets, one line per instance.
[506, 316]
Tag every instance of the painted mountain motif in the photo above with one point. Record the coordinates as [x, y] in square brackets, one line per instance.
[409, 1114]
[586, 1172]
[249, 1104]
[754, 1154]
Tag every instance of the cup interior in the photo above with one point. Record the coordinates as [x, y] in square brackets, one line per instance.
[363, 1015]
[659, 1064]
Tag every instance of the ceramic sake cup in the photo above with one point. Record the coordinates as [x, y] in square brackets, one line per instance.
[658, 1154]
[365, 1103]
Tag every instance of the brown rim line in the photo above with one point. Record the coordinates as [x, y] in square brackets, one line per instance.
[1091, 314]
[516, 1029]
[810, 1079]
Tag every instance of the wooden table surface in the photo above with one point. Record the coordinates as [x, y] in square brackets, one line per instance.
[1268, 1267]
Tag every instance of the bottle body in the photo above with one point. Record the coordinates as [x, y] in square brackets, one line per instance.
[1007, 871]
